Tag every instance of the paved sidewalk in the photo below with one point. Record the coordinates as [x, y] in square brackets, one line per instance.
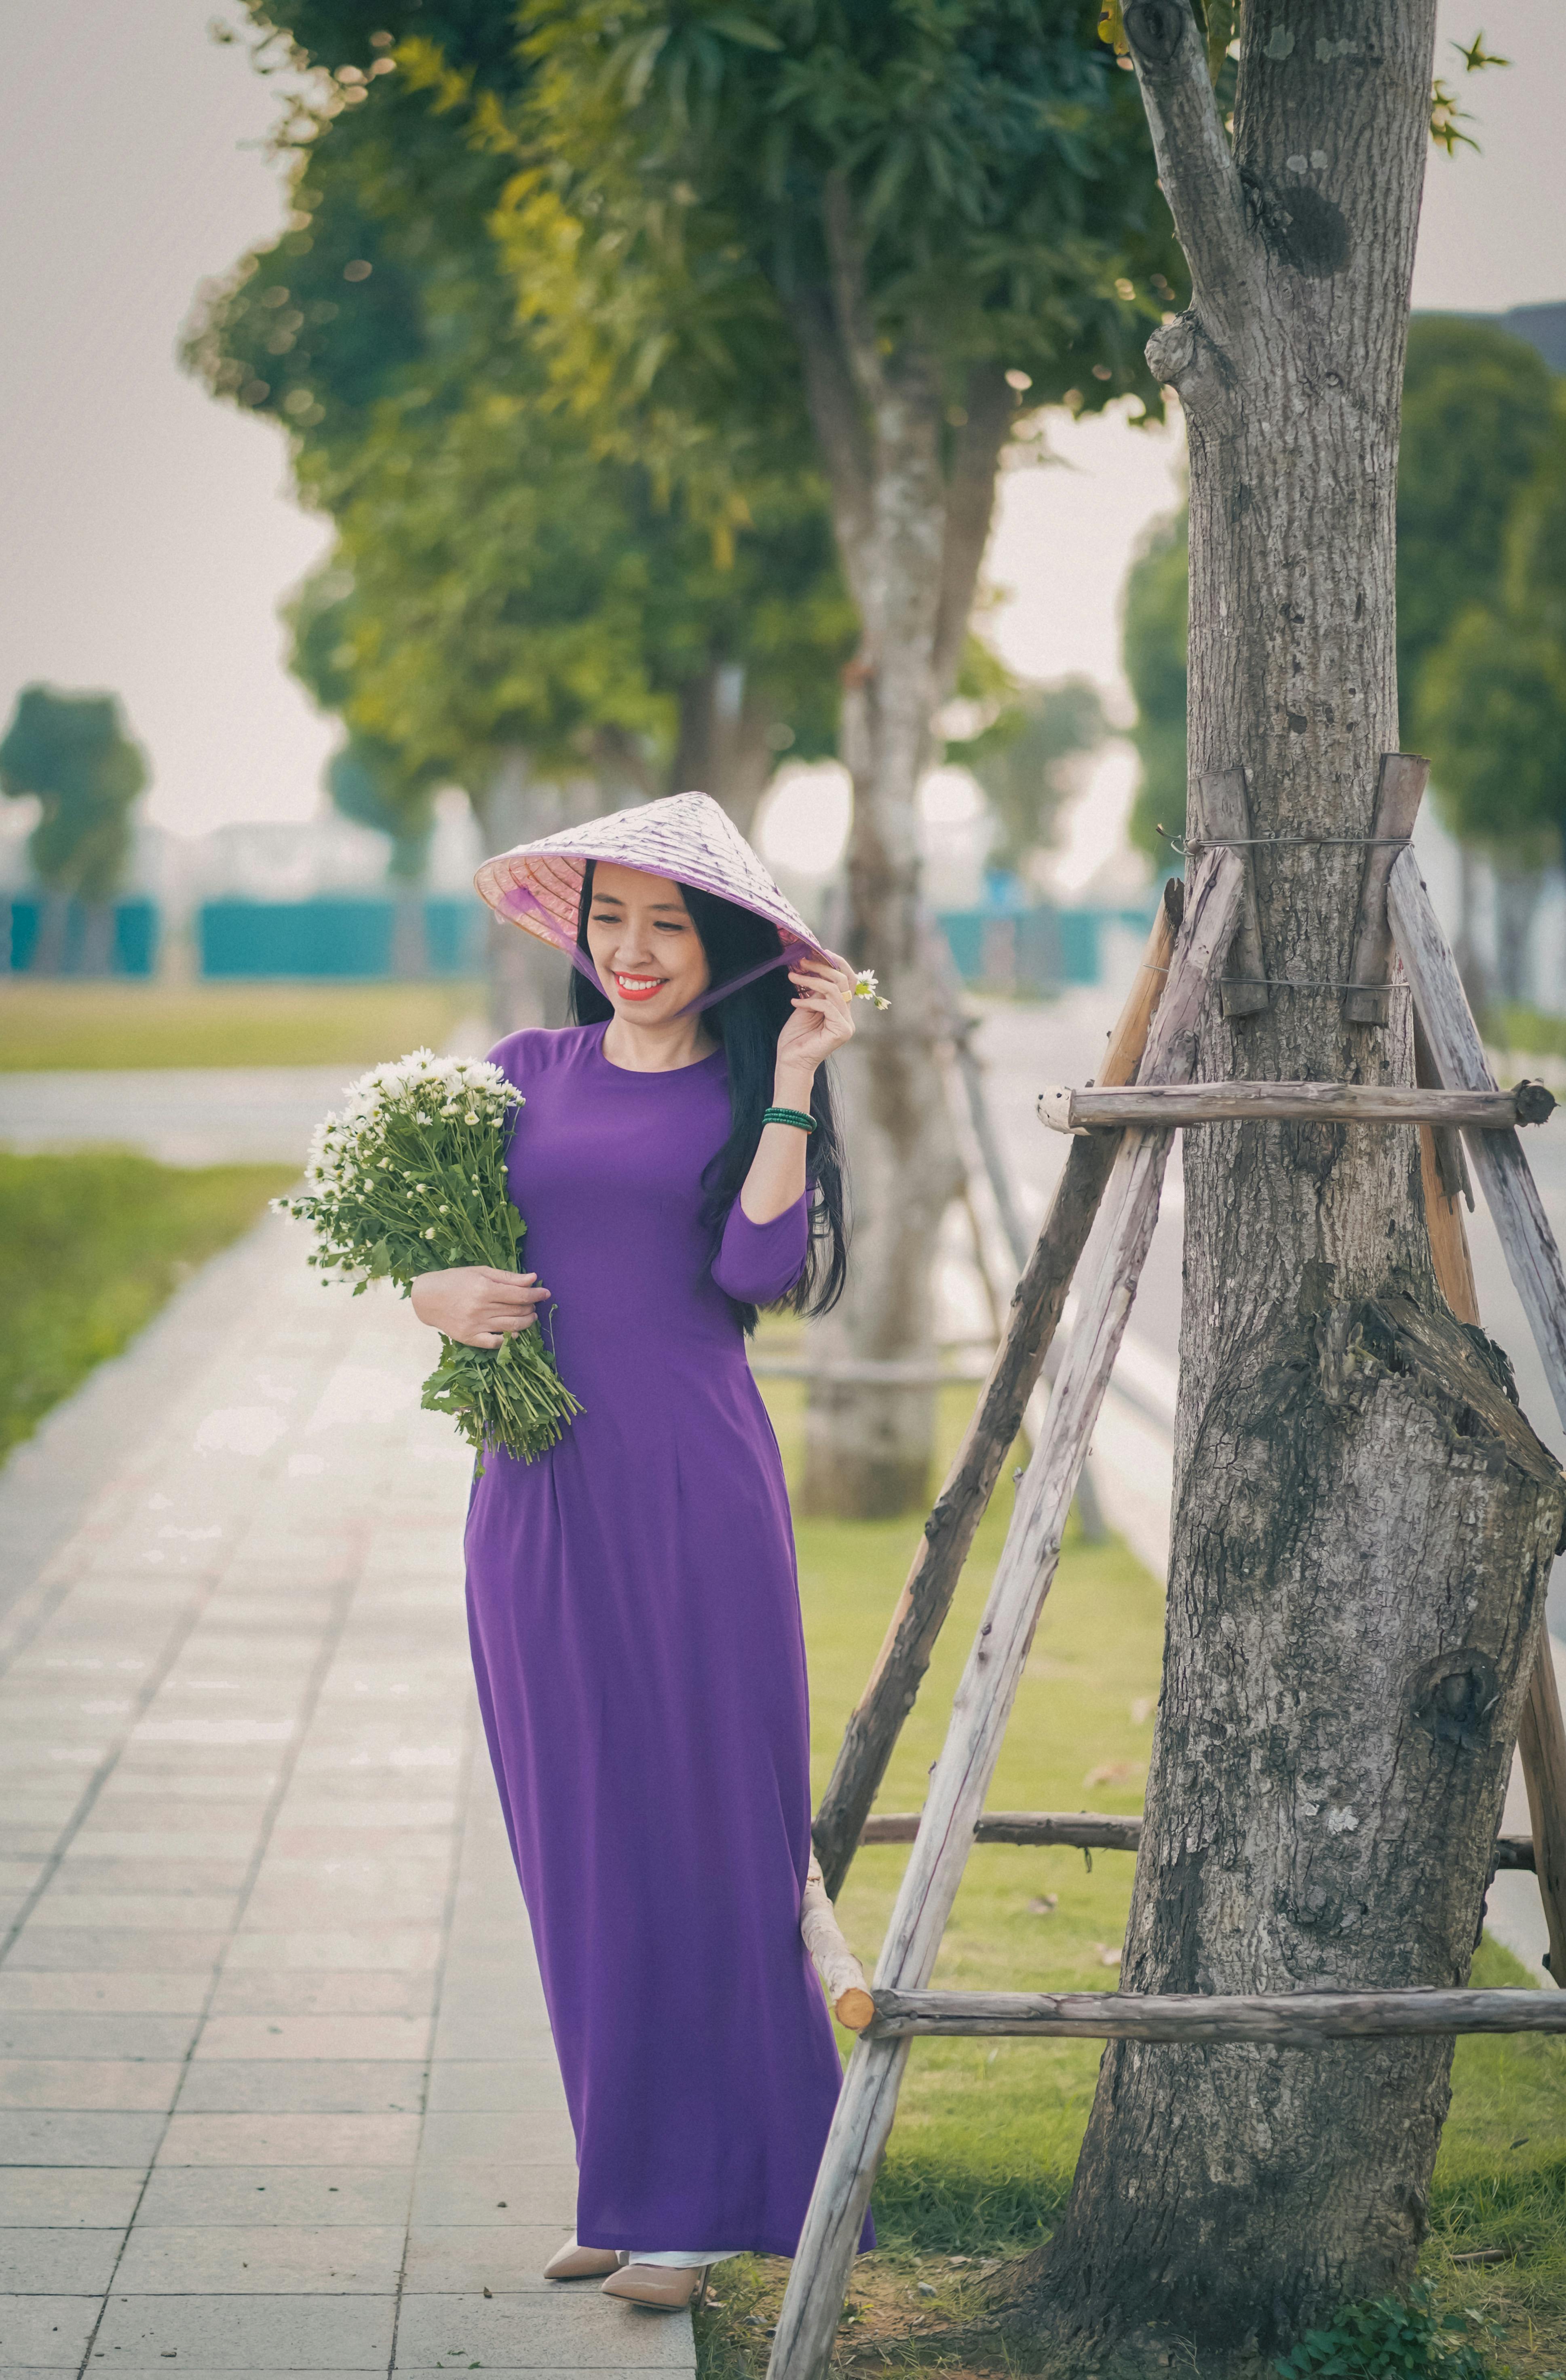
[276, 2087]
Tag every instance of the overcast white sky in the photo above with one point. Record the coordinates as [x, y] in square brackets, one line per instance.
[148, 533]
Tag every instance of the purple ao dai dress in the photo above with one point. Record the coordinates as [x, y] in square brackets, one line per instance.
[635, 1620]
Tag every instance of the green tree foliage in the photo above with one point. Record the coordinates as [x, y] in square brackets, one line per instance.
[498, 581]
[1022, 758]
[1153, 647]
[1491, 696]
[1477, 410]
[71, 752]
[1481, 529]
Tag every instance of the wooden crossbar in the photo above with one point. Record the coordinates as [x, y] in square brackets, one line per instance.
[1188, 1104]
[1288, 2019]
[1093, 1830]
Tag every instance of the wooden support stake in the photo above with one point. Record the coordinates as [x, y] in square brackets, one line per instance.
[1223, 801]
[868, 2101]
[1282, 2020]
[1036, 1311]
[1399, 792]
[1243, 1102]
[841, 1973]
[1533, 1262]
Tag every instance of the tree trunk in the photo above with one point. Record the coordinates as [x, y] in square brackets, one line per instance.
[53, 926]
[912, 495]
[1364, 1524]
[1517, 896]
[527, 982]
[410, 944]
[722, 748]
[97, 939]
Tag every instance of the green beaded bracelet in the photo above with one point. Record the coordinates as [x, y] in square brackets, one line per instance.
[790, 1115]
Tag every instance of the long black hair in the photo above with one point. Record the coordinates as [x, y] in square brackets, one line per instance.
[747, 1024]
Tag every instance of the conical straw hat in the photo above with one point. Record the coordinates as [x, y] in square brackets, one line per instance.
[686, 837]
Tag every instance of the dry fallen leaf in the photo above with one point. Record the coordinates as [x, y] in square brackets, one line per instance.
[1045, 1906]
[1106, 1958]
[1142, 1710]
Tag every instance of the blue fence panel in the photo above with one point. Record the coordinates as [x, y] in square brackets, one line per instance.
[299, 937]
[342, 938]
[133, 945]
[453, 933]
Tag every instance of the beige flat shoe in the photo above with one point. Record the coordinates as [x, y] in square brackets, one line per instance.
[574, 2263]
[668, 2289]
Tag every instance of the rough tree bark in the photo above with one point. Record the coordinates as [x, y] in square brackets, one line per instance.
[912, 482]
[723, 747]
[1364, 1521]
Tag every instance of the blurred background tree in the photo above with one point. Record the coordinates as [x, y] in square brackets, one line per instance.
[71, 753]
[1481, 614]
[911, 228]
[1022, 758]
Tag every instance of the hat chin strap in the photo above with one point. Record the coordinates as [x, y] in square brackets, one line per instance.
[522, 901]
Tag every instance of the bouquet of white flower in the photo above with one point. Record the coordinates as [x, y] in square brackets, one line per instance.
[409, 1179]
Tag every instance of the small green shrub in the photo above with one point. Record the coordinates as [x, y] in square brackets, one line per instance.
[1394, 2338]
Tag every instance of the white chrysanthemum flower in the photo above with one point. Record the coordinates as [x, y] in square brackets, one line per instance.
[867, 988]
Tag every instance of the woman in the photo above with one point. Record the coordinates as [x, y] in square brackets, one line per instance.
[632, 1599]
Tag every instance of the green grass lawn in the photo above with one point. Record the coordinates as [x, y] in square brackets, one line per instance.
[90, 1246]
[986, 2134]
[120, 1024]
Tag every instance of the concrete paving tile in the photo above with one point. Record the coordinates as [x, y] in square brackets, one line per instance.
[235, 2259]
[395, 2038]
[252, 2195]
[97, 2197]
[496, 2194]
[305, 1806]
[290, 2140]
[29, 1838]
[447, 2258]
[276, 2333]
[293, 1841]
[278, 1905]
[567, 2329]
[48, 2333]
[543, 2138]
[39, 2136]
[183, 1912]
[133, 1951]
[401, 1951]
[51, 2033]
[112, 1994]
[103, 2082]
[178, 1840]
[477, 2086]
[186, 1791]
[155, 1869]
[517, 2034]
[363, 1992]
[69, 2263]
[312, 2086]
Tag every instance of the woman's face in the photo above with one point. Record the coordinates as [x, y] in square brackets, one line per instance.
[643, 942]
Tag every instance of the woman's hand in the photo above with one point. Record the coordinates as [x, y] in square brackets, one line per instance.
[475, 1304]
[822, 1018]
